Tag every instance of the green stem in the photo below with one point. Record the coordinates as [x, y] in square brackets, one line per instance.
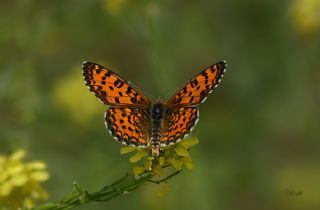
[80, 196]
[164, 179]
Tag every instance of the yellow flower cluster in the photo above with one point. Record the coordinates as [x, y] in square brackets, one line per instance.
[176, 156]
[20, 181]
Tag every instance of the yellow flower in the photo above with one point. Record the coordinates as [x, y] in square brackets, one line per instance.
[164, 189]
[114, 7]
[20, 181]
[71, 95]
[175, 156]
[305, 15]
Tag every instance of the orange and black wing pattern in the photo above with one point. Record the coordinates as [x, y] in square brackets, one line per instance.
[128, 125]
[110, 88]
[198, 88]
[178, 123]
[182, 112]
[126, 119]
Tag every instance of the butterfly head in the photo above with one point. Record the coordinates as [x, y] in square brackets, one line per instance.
[158, 110]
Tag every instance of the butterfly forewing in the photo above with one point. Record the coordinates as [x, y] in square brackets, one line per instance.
[198, 88]
[110, 88]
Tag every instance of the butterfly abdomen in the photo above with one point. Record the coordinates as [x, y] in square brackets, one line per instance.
[157, 116]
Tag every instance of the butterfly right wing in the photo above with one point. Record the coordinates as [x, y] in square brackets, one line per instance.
[129, 126]
[110, 88]
[182, 114]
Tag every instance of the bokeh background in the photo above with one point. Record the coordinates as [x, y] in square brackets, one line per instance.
[259, 132]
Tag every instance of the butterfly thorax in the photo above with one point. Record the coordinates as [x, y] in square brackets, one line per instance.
[157, 117]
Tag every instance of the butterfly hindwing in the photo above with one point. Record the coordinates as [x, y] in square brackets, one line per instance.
[198, 88]
[178, 123]
[128, 125]
[110, 88]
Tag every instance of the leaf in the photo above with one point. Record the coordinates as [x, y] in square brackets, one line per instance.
[138, 170]
[188, 142]
[161, 161]
[148, 165]
[176, 163]
[128, 149]
[188, 162]
[138, 156]
[181, 151]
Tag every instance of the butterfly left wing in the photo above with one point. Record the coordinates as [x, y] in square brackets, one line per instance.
[110, 88]
[198, 88]
[127, 116]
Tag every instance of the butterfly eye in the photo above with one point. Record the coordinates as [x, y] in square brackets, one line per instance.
[157, 110]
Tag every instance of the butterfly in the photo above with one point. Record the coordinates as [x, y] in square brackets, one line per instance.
[133, 119]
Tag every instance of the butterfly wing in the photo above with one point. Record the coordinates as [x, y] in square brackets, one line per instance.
[128, 125]
[182, 113]
[198, 88]
[178, 123]
[110, 88]
[127, 117]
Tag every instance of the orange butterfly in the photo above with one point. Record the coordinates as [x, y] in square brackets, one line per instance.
[133, 119]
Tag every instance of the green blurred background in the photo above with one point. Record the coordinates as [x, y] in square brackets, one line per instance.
[259, 132]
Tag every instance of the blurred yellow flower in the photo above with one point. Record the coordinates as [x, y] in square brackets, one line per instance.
[153, 9]
[114, 7]
[176, 156]
[20, 181]
[72, 96]
[164, 190]
[305, 15]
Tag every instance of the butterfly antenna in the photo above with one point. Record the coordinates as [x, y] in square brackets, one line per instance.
[147, 94]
